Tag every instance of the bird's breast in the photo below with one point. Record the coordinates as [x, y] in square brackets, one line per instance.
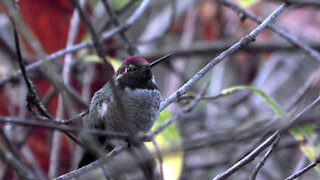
[141, 107]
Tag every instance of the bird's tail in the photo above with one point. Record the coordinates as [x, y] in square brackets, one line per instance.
[87, 158]
[148, 169]
[145, 161]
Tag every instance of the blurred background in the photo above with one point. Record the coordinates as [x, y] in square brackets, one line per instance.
[213, 130]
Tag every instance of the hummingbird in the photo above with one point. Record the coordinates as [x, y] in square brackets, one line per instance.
[137, 90]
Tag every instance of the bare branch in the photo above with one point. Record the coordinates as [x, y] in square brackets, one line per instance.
[56, 139]
[250, 157]
[93, 165]
[126, 25]
[100, 51]
[114, 19]
[300, 2]
[159, 156]
[285, 34]
[265, 144]
[11, 147]
[200, 49]
[263, 160]
[32, 97]
[304, 170]
[55, 126]
[295, 120]
[187, 109]
[242, 42]
[14, 163]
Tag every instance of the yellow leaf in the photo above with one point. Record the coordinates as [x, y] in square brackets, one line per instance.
[309, 151]
[172, 162]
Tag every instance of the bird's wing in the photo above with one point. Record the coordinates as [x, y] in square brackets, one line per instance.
[99, 106]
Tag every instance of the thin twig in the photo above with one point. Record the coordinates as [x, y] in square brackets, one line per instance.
[47, 70]
[295, 120]
[303, 160]
[277, 29]
[31, 158]
[54, 157]
[112, 32]
[264, 145]
[93, 165]
[13, 9]
[241, 135]
[14, 163]
[242, 42]
[250, 157]
[114, 19]
[85, 94]
[191, 96]
[11, 147]
[178, 116]
[54, 126]
[294, 100]
[49, 58]
[100, 51]
[32, 97]
[173, 15]
[126, 25]
[64, 121]
[263, 160]
[99, 48]
[300, 2]
[159, 156]
[74, 118]
[208, 48]
[118, 12]
[56, 139]
[95, 38]
[304, 170]
[180, 64]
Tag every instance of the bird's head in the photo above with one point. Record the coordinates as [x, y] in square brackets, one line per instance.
[134, 67]
[135, 72]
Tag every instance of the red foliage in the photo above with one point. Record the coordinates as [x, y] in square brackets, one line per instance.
[39, 144]
[49, 21]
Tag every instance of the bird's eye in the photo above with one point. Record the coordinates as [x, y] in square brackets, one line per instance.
[130, 68]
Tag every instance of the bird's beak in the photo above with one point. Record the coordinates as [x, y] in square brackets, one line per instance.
[159, 60]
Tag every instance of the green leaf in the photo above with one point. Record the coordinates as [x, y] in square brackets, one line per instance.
[116, 4]
[247, 3]
[272, 103]
[303, 130]
[304, 135]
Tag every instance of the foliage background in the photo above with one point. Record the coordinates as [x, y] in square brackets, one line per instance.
[219, 130]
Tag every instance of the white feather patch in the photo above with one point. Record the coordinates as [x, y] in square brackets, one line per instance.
[153, 80]
[103, 109]
[140, 93]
